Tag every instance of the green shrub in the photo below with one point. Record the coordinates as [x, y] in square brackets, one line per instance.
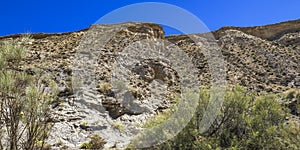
[96, 142]
[11, 52]
[104, 87]
[24, 111]
[119, 126]
[248, 121]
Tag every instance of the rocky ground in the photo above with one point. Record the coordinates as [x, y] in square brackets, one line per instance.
[265, 58]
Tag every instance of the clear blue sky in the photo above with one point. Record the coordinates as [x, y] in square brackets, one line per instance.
[21, 16]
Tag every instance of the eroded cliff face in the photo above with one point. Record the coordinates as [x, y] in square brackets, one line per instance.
[265, 58]
[269, 32]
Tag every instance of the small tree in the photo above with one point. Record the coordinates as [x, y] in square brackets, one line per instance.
[24, 108]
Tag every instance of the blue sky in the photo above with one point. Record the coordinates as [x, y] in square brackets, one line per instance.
[21, 16]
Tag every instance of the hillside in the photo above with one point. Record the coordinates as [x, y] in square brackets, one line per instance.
[262, 59]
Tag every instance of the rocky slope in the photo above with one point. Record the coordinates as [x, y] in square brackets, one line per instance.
[265, 58]
[268, 32]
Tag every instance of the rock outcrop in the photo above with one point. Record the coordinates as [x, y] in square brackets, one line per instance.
[268, 32]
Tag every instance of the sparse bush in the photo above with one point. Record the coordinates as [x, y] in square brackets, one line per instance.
[158, 119]
[24, 111]
[118, 126]
[290, 95]
[11, 52]
[104, 87]
[291, 99]
[96, 142]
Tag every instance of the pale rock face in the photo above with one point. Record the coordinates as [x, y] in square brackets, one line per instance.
[255, 57]
[290, 39]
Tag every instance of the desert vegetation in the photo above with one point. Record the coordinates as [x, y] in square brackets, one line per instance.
[249, 120]
[24, 102]
[96, 142]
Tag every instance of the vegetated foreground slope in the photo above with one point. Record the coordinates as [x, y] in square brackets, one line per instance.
[265, 58]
